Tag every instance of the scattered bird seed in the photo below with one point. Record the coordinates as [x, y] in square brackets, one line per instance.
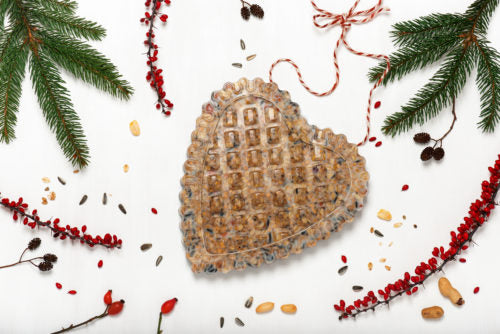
[370, 266]
[104, 199]
[384, 215]
[76, 171]
[404, 217]
[396, 225]
[239, 322]
[122, 209]
[249, 302]
[357, 288]
[83, 200]
[238, 65]
[44, 201]
[378, 233]
[125, 168]
[52, 196]
[390, 244]
[45, 180]
[242, 44]
[372, 229]
[46, 189]
[414, 225]
[388, 268]
[145, 247]
[61, 180]
[251, 57]
[342, 270]
[221, 321]
[382, 260]
[158, 260]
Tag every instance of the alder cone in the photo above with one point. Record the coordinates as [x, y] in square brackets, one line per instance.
[438, 153]
[422, 138]
[245, 13]
[427, 153]
[257, 11]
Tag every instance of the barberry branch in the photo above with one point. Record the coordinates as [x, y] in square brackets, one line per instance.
[154, 75]
[20, 209]
[100, 316]
[479, 213]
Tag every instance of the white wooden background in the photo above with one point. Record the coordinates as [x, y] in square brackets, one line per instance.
[198, 45]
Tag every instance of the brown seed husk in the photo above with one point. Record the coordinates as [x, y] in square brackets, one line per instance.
[342, 270]
[357, 288]
[249, 302]
[238, 65]
[378, 233]
[104, 199]
[122, 209]
[158, 260]
[145, 247]
[242, 44]
[221, 322]
[239, 322]
[61, 180]
[251, 57]
[83, 200]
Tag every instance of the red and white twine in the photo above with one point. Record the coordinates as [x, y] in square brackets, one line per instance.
[344, 21]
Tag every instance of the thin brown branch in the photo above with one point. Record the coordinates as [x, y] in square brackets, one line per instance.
[100, 316]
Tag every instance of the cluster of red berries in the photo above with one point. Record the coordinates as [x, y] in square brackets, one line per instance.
[113, 308]
[154, 75]
[20, 209]
[479, 211]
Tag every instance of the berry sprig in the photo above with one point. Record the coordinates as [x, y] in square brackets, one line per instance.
[154, 75]
[112, 308]
[479, 212]
[20, 210]
[45, 263]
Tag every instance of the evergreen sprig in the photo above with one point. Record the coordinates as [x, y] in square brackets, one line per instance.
[459, 39]
[46, 34]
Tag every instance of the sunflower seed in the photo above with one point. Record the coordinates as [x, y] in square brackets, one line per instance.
[378, 233]
[122, 209]
[83, 200]
[242, 44]
[221, 321]
[104, 199]
[249, 302]
[238, 65]
[145, 247]
[251, 57]
[343, 270]
[61, 180]
[158, 260]
[239, 322]
[357, 288]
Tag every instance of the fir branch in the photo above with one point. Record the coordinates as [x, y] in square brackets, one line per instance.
[57, 108]
[488, 82]
[63, 6]
[443, 87]
[12, 69]
[413, 57]
[429, 27]
[66, 24]
[480, 12]
[87, 64]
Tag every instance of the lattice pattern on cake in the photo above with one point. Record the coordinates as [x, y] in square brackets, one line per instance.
[261, 183]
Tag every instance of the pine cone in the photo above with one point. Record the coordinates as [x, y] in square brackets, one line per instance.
[438, 153]
[50, 258]
[426, 153]
[245, 13]
[257, 11]
[34, 243]
[422, 138]
[45, 266]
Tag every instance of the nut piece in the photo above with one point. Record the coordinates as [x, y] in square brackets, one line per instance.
[370, 266]
[434, 312]
[125, 168]
[384, 214]
[397, 225]
[449, 291]
[265, 307]
[52, 196]
[134, 128]
[45, 180]
[289, 308]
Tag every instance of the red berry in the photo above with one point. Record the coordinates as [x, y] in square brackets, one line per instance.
[59, 285]
[164, 17]
[377, 104]
[378, 144]
[99, 264]
[116, 307]
[72, 292]
[107, 298]
[84, 228]
[405, 187]
[372, 139]
[476, 289]
[168, 306]
[344, 259]
[153, 210]
[168, 113]
[463, 260]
